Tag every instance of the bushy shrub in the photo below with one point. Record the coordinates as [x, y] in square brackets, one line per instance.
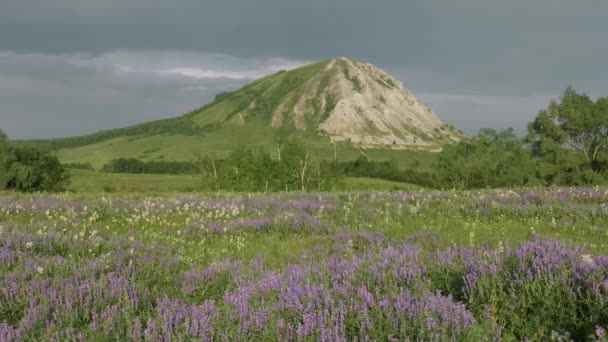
[26, 168]
[491, 159]
[79, 166]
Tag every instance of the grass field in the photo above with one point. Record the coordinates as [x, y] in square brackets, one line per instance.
[219, 144]
[92, 181]
[379, 266]
[83, 181]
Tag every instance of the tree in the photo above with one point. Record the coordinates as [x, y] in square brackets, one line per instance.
[249, 171]
[292, 165]
[5, 156]
[491, 159]
[569, 139]
[30, 170]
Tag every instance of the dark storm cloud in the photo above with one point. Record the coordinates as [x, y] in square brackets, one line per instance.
[74, 66]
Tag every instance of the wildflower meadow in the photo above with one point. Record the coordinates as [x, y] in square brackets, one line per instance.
[356, 266]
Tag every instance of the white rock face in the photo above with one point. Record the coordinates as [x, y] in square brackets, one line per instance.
[361, 103]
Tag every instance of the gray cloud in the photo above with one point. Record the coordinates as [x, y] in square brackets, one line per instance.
[51, 96]
[101, 64]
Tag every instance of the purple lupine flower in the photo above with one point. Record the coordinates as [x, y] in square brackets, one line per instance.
[150, 333]
[95, 322]
[367, 297]
[135, 331]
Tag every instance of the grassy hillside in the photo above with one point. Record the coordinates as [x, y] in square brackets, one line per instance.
[210, 118]
[220, 143]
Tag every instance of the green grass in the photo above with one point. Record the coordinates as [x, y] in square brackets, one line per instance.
[221, 142]
[372, 184]
[84, 181]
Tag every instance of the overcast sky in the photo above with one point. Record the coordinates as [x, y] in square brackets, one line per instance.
[69, 67]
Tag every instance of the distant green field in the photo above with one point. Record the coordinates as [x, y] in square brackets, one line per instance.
[91, 181]
[219, 144]
[83, 181]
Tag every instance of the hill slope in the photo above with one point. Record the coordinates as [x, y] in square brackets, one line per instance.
[353, 104]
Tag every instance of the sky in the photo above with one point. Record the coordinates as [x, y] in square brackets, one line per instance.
[70, 67]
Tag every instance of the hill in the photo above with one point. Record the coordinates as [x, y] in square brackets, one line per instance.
[354, 105]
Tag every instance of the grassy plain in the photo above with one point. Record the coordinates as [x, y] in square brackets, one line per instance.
[86, 181]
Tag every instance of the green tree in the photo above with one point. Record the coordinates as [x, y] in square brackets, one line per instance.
[32, 170]
[291, 172]
[569, 139]
[5, 156]
[247, 171]
[491, 159]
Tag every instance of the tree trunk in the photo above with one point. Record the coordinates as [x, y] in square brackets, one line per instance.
[303, 173]
[278, 148]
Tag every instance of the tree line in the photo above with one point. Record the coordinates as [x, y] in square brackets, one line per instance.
[27, 169]
[566, 144]
[133, 165]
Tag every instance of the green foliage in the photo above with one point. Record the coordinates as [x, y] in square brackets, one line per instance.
[570, 139]
[5, 156]
[330, 105]
[250, 171]
[29, 170]
[86, 181]
[181, 125]
[385, 170]
[492, 159]
[25, 168]
[79, 166]
[132, 165]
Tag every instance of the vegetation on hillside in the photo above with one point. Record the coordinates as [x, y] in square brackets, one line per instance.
[180, 125]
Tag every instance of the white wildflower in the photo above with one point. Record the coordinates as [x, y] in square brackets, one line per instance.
[588, 259]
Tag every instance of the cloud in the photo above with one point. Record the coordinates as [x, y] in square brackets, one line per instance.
[197, 65]
[128, 61]
[472, 112]
[45, 95]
